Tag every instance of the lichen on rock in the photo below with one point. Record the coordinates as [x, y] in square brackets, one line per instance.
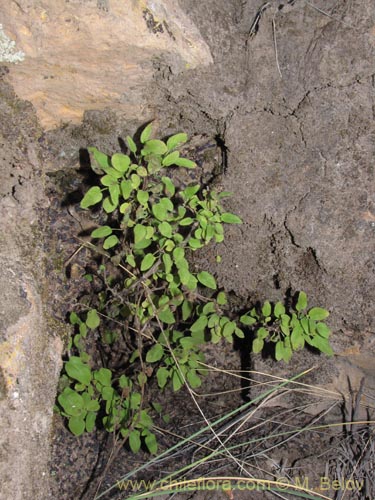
[8, 52]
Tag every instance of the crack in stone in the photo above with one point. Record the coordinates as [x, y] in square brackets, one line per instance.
[285, 222]
[316, 260]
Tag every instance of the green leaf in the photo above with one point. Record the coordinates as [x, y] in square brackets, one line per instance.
[162, 375]
[120, 162]
[147, 261]
[312, 326]
[279, 350]
[124, 207]
[182, 264]
[187, 342]
[153, 164]
[279, 309]
[114, 192]
[167, 204]
[83, 330]
[78, 370]
[178, 254]
[150, 231]
[194, 243]
[262, 333]
[184, 162]
[151, 443]
[108, 180]
[131, 144]
[107, 393]
[169, 186]
[166, 316]
[221, 299]
[176, 140]
[190, 191]
[287, 350]
[93, 320]
[285, 319]
[170, 159]
[135, 400]
[239, 333]
[322, 344]
[110, 242]
[247, 320]
[209, 308]
[104, 376]
[76, 425]
[159, 211]
[206, 279]
[93, 196]
[142, 379]
[323, 330]
[126, 189]
[124, 381]
[193, 379]
[213, 320]
[230, 218]
[177, 381]
[257, 345]
[101, 159]
[305, 324]
[146, 132]
[167, 261]
[318, 313]
[135, 181]
[155, 353]
[108, 206]
[135, 441]
[157, 407]
[74, 319]
[140, 233]
[71, 402]
[101, 232]
[142, 172]
[285, 329]
[142, 197]
[155, 147]
[165, 229]
[186, 222]
[142, 244]
[229, 329]
[187, 309]
[187, 279]
[90, 421]
[199, 325]
[302, 302]
[297, 338]
[266, 309]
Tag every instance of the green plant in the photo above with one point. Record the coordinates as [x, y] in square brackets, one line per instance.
[289, 330]
[147, 301]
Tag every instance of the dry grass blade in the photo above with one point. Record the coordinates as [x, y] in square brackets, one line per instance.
[253, 443]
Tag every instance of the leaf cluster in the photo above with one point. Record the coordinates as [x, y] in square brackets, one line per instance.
[289, 330]
[152, 305]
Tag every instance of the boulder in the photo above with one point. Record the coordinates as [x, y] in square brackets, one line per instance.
[79, 55]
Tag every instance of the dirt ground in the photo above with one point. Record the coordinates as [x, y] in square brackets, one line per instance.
[290, 102]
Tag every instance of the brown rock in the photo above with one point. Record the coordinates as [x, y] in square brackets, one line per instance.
[82, 55]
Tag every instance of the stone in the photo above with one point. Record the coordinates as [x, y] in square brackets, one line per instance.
[81, 55]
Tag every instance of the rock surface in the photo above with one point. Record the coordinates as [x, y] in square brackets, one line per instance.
[30, 350]
[296, 128]
[81, 55]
